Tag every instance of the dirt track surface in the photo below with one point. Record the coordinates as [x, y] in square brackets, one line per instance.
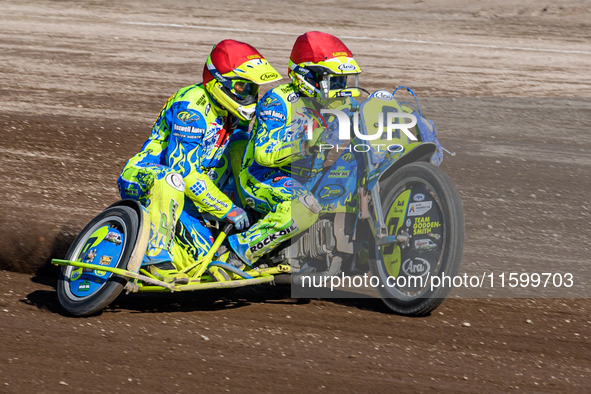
[510, 91]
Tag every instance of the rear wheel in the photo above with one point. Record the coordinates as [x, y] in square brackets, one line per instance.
[108, 240]
[422, 209]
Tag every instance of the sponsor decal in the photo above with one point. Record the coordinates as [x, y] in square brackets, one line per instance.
[216, 125]
[84, 286]
[270, 102]
[346, 67]
[310, 202]
[75, 275]
[272, 114]
[383, 95]
[348, 157]
[419, 208]
[434, 236]
[331, 192]
[293, 97]
[100, 273]
[408, 222]
[201, 101]
[266, 241]
[254, 57]
[269, 76]
[335, 54]
[340, 172]
[418, 197]
[424, 245]
[176, 181]
[207, 109]
[286, 88]
[90, 256]
[105, 260]
[418, 267]
[113, 237]
[197, 131]
[188, 116]
[423, 225]
[213, 202]
[198, 187]
[344, 94]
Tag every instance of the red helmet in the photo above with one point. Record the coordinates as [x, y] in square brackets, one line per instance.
[232, 75]
[321, 65]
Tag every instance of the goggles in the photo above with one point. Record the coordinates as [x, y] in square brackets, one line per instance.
[338, 82]
[328, 85]
[338, 85]
[245, 92]
[242, 89]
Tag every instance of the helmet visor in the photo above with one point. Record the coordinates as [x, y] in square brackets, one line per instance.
[244, 90]
[339, 82]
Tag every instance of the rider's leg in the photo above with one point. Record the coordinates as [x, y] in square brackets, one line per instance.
[161, 191]
[291, 210]
[193, 241]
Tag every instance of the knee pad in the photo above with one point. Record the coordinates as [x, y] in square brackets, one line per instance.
[310, 202]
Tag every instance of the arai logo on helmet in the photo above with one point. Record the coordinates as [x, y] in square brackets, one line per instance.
[269, 76]
[346, 67]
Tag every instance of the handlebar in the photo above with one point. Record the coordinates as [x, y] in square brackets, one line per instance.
[228, 228]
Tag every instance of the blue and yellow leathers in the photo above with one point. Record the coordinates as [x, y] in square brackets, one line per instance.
[169, 176]
[266, 180]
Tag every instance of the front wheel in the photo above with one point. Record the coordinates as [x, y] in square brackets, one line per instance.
[108, 240]
[425, 222]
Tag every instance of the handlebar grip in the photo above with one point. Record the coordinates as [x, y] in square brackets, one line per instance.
[227, 228]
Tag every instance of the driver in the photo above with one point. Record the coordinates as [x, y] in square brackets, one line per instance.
[320, 66]
[187, 140]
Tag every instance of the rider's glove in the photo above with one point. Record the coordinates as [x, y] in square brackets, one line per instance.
[238, 217]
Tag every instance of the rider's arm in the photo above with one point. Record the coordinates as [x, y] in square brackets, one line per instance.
[206, 195]
[273, 144]
[271, 151]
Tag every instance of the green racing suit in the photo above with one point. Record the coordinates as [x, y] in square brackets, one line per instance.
[170, 175]
[266, 180]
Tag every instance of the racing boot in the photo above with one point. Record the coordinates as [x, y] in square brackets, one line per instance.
[221, 274]
[166, 272]
[232, 258]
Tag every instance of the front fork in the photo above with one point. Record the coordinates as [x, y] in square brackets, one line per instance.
[376, 218]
